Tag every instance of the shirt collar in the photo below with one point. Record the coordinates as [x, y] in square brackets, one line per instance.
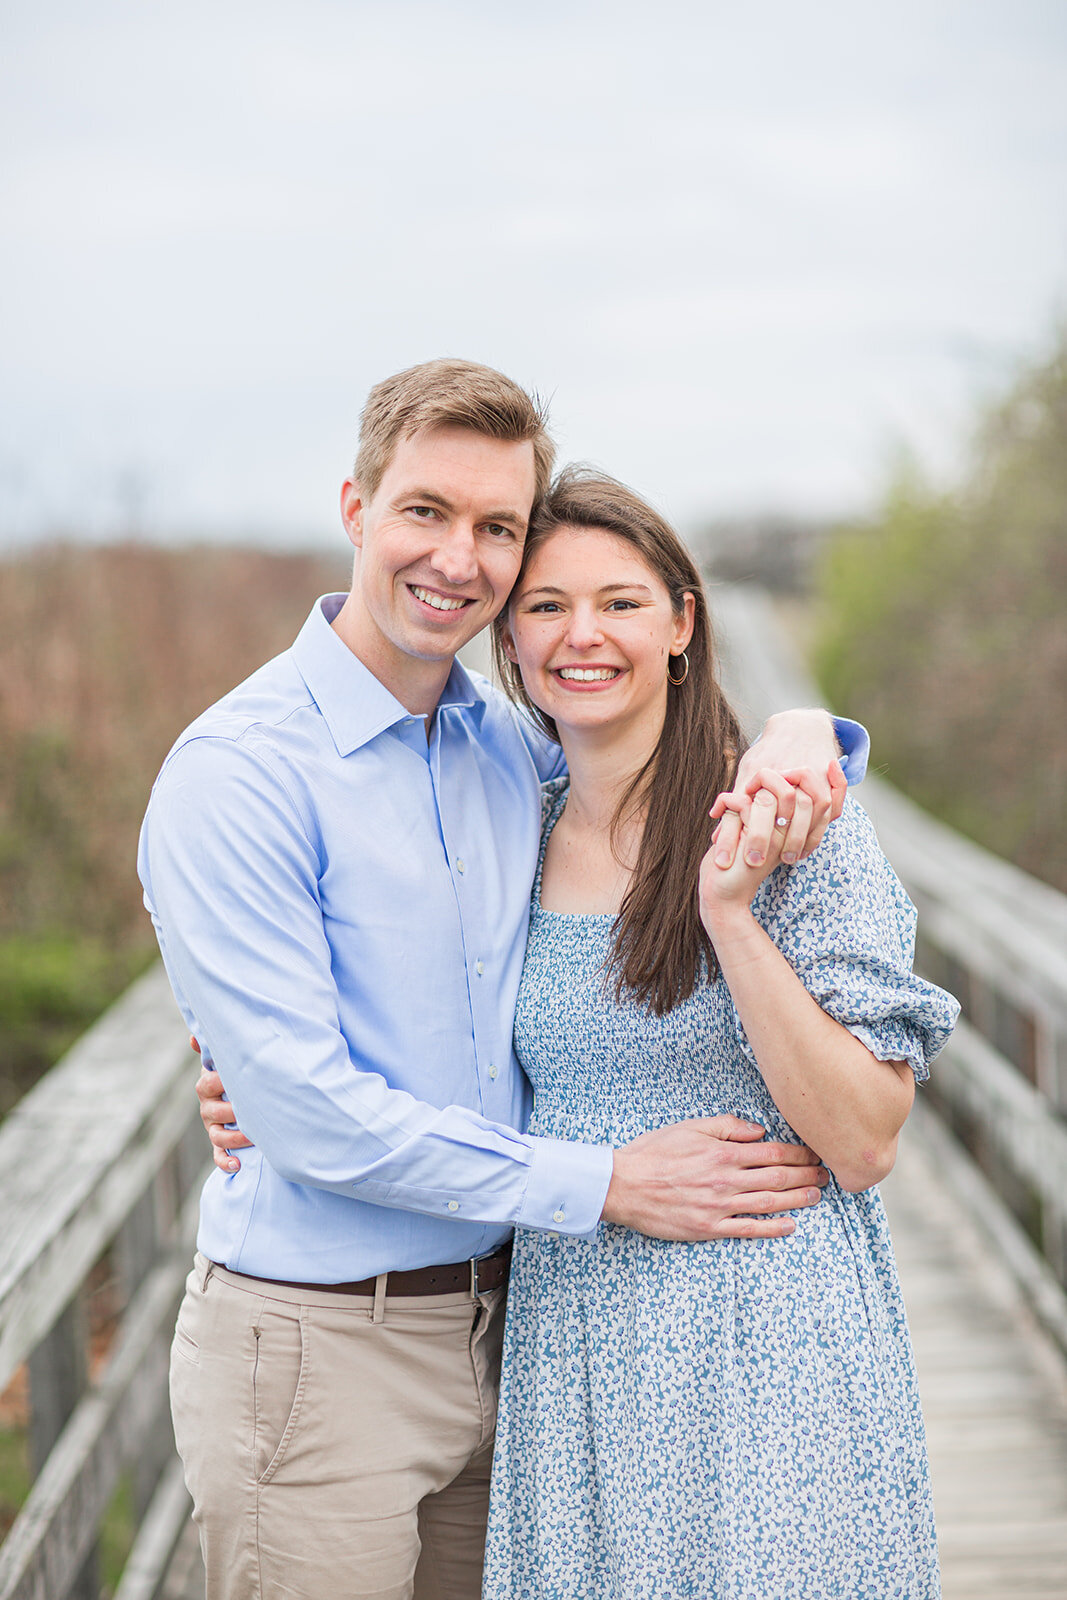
[355, 706]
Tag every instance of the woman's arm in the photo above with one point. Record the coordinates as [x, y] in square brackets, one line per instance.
[831, 1089]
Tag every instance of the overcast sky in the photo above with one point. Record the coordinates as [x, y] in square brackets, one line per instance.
[746, 249]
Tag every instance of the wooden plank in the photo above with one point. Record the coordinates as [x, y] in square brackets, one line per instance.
[993, 1384]
[80, 1150]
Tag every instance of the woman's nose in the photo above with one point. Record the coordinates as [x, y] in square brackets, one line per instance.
[583, 630]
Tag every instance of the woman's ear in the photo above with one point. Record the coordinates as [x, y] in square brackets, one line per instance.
[685, 621]
[509, 645]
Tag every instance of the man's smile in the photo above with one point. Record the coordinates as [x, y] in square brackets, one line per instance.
[440, 602]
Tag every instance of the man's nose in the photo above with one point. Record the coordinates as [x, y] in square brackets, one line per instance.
[456, 554]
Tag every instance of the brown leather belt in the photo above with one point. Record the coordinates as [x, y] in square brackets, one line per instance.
[476, 1276]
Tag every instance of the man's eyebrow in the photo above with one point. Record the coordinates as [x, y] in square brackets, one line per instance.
[430, 497]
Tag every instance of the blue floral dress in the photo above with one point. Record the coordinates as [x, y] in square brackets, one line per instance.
[734, 1420]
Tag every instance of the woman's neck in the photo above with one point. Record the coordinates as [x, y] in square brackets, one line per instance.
[602, 765]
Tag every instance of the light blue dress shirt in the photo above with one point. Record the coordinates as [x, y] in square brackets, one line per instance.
[342, 909]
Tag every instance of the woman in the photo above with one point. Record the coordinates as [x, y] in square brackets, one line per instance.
[737, 1419]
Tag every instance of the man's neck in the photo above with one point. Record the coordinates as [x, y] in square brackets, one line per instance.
[416, 683]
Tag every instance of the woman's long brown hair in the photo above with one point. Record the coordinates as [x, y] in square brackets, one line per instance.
[661, 948]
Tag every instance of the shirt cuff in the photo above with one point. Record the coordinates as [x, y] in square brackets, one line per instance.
[855, 744]
[566, 1186]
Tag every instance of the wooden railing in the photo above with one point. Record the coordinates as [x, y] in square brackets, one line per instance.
[997, 939]
[100, 1169]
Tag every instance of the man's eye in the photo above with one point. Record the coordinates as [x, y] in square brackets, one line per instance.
[425, 512]
[499, 530]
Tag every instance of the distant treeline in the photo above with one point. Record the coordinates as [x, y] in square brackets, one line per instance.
[105, 655]
[944, 627]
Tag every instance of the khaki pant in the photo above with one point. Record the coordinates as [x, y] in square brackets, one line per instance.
[336, 1447]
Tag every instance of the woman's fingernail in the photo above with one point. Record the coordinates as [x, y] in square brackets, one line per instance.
[789, 856]
[722, 858]
[754, 858]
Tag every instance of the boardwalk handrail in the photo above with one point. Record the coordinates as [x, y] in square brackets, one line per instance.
[993, 935]
[103, 1156]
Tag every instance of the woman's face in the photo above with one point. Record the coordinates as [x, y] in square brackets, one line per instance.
[592, 629]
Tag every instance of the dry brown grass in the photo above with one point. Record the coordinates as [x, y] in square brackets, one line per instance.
[105, 655]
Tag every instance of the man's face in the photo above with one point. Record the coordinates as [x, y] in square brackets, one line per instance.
[439, 546]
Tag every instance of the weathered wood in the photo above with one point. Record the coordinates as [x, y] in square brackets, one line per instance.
[58, 1523]
[78, 1153]
[994, 1389]
[164, 1523]
[58, 1372]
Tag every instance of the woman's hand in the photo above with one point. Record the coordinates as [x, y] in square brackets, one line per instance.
[727, 890]
[216, 1113]
[808, 798]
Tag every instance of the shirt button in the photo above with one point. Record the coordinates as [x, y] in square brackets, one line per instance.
[453, 1205]
[553, 1236]
[559, 1216]
[479, 968]
[459, 865]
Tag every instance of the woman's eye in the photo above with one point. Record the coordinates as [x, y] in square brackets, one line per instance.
[623, 605]
[543, 606]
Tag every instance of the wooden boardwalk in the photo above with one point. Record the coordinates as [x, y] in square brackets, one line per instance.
[994, 1389]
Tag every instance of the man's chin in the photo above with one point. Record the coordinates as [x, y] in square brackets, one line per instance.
[442, 647]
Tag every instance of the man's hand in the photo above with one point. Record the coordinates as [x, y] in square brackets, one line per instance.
[216, 1113]
[711, 1178]
[792, 776]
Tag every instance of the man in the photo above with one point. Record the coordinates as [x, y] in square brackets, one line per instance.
[337, 858]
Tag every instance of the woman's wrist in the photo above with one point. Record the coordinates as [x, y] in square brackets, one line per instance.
[728, 919]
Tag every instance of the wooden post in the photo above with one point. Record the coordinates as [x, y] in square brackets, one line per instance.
[59, 1376]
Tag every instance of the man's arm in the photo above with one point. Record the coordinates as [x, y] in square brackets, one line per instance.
[231, 872]
[708, 1178]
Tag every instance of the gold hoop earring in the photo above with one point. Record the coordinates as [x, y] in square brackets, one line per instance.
[685, 671]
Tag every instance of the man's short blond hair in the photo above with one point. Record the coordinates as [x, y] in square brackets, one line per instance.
[449, 393]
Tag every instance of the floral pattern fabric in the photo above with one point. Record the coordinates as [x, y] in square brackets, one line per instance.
[733, 1420]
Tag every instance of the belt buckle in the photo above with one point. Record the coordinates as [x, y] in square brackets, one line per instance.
[476, 1262]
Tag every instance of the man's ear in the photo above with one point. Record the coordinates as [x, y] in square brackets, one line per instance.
[352, 511]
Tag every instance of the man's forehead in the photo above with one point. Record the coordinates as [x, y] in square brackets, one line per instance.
[450, 464]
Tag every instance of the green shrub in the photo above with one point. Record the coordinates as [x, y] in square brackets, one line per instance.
[943, 628]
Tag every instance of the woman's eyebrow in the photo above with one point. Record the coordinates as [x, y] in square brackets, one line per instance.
[607, 588]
